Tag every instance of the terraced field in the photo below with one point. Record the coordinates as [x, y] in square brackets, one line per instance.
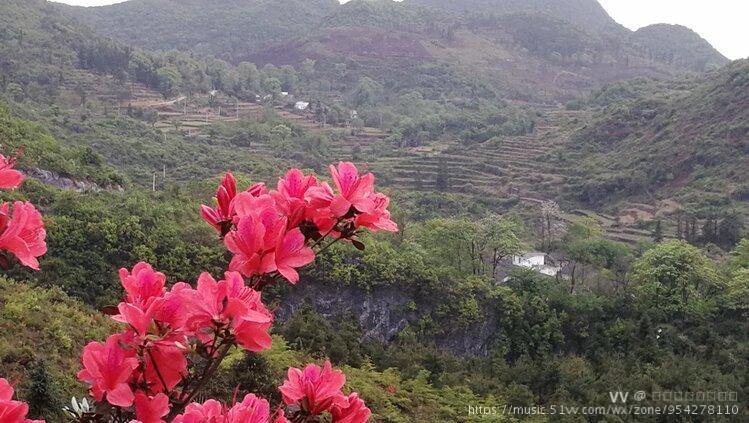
[509, 167]
[513, 165]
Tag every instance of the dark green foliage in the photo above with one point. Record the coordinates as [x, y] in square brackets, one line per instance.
[43, 395]
[339, 340]
[91, 236]
[159, 28]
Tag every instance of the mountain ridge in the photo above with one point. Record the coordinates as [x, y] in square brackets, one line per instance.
[248, 28]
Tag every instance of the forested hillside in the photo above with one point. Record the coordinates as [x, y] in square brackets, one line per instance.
[696, 130]
[191, 25]
[573, 46]
[513, 128]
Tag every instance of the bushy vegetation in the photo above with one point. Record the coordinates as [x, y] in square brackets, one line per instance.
[695, 129]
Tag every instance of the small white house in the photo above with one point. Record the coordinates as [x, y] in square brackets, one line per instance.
[301, 105]
[537, 261]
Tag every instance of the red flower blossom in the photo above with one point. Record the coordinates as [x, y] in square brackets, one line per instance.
[9, 177]
[23, 233]
[353, 190]
[210, 411]
[12, 411]
[314, 389]
[165, 364]
[108, 369]
[246, 243]
[290, 195]
[228, 302]
[291, 252]
[356, 412]
[221, 216]
[379, 217]
[151, 409]
[142, 285]
[252, 409]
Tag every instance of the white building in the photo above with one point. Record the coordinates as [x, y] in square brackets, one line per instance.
[301, 105]
[539, 262]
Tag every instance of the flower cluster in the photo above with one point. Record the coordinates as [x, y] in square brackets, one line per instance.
[146, 365]
[252, 409]
[174, 339]
[315, 390]
[12, 411]
[21, 230]
[269, 231]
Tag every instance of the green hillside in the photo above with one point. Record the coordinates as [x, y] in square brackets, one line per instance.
[686, 140]
[560, 49]
[190, 25]
[583, 13]
[679, 45]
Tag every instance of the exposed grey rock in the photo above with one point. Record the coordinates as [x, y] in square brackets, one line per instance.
[383, 313]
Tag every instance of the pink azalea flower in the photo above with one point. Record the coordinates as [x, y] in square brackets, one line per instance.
[210, 411]
[108, 369]
[142, 285]
[9, 177]
[223, 213]
[291, 252]
[222, 216]
[165, 364]
[245, 204]
[228, 302]
[252, 409]
[290, 195]
[295, 185]
[379, 217]
[356, 412]
[353, 190]
[151, 409]
[246, 243]
[12, 411]
[146, 300]
[23, 234]
[314, 389]
[250, 318]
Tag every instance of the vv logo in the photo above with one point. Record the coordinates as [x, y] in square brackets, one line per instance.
[619, 396]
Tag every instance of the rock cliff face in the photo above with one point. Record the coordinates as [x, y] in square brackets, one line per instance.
[383, 312]
[55, 180]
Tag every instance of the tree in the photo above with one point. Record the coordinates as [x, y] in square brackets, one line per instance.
[169, 80]
[43, 396]
[499, 237]
[676, 279]
[367, 92]
[657, 234]
[551, 225]
[730, 230]
[15, 91]
[272, 86]
[307, 70]
[442, 179]
[736, 295]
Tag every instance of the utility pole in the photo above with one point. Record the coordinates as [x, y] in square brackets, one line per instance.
[163, 171]
[153, 182]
